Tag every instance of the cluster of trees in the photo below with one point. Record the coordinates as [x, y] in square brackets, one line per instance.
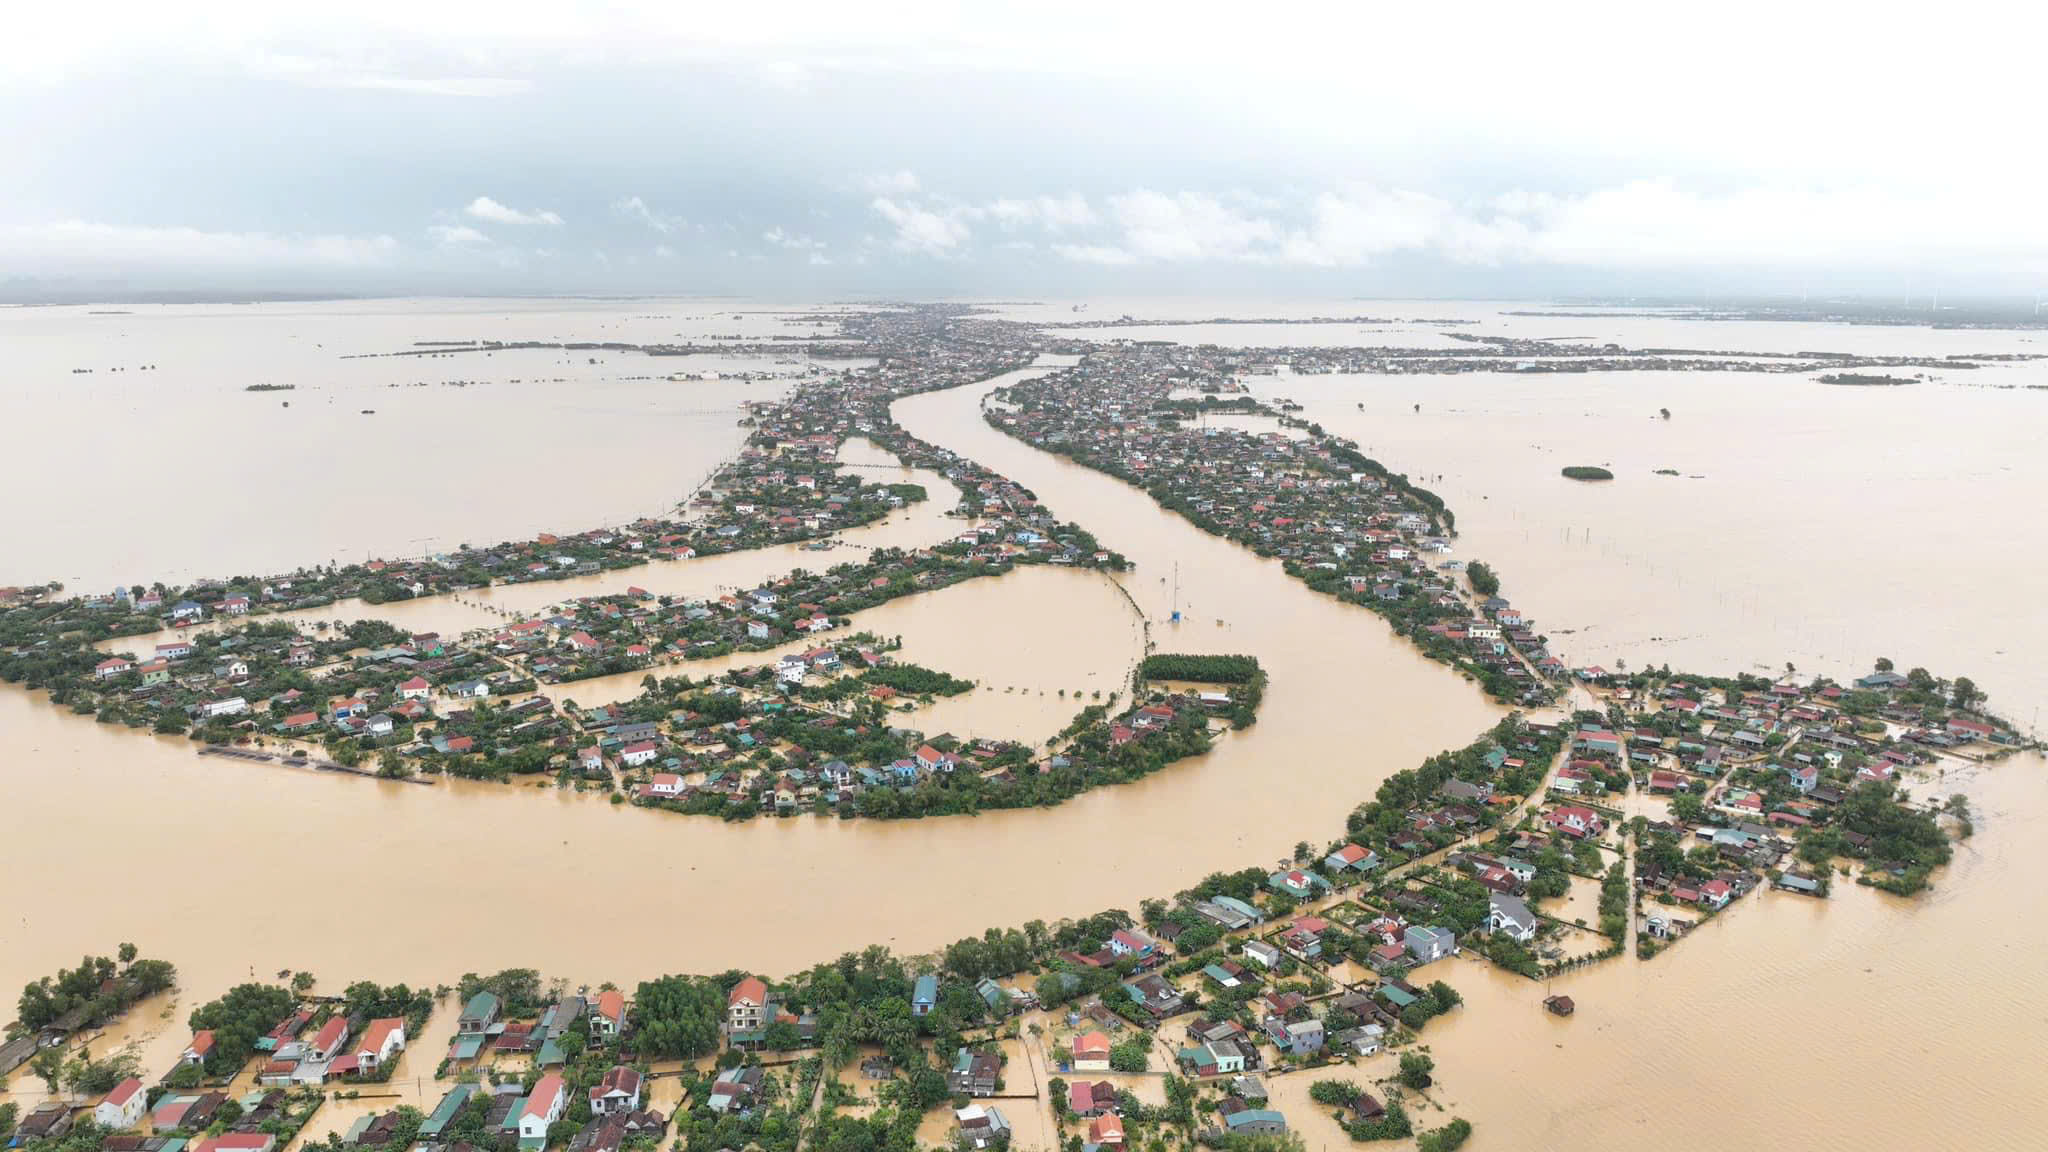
[520, 991]
[914, 680]
[677, 1017]
[1482, 578]
[238, 1019]
[1447, 1138]
[101, 987]
[1199, 669]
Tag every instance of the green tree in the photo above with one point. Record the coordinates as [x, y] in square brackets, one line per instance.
[1963, 694]
[1415, 1069]
[48, 1065]
[1482, 578]
[238, 1019]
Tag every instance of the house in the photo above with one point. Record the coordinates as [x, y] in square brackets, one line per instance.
[634, 755]
[186, 612]
[175, 650]
[469, 690]
[619, 1091]
[1426, 943]
[478, 1015]
[746, 1007]
[230, 706]
[608, 1016]
[201, 1046]
[1964, 729]
[111, 666]
[1351, 858]
[122, 1109]
[1091, 1052]
[734, 1090]
[590, 760]
[1575, 821]
[1511, 915]
[48, 1122]
[544, 1105]
[1106, 1130]
[981, 1127]
[1255, 1120]
[1304, 1037]
[1265, 955]
[924, 995]
[1212, 1060]
[1716, 893]
[326, 1043]
[416, 688]
[930, 759]
[382, 1040]
[1294, 882]
[1305, 935]
[974, 1073]
[1124, 942]
[1085, 1099]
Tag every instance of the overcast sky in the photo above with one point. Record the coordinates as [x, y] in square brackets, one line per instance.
[1048, 147]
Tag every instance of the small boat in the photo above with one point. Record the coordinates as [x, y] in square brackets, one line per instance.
[369, 412]
[1559, 1005]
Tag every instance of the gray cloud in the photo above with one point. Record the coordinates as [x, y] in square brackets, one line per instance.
[933, 148]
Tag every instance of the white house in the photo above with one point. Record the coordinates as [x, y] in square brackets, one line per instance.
[382, 1040]
[544, 1105]
[1511, 915]
[232, 706]
[416, 688]
[634, 755]
[1091, 1053]
[122, 1109]
[1426, 943]
[619, 1091]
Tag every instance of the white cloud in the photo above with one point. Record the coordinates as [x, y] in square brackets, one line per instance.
[635, 209]
[456, 236]
[1189, 227]
[485, 208]
[783, 239]
[930, 231]
[1056, 214]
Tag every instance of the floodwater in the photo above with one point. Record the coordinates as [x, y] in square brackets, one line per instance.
[1827, 526]
[1831, 526]
[189, 475]
[239, 870]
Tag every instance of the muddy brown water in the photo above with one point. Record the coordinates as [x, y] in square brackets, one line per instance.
[1863, 1021]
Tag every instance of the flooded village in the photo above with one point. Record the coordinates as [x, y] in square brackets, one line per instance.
[1274, 1003]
